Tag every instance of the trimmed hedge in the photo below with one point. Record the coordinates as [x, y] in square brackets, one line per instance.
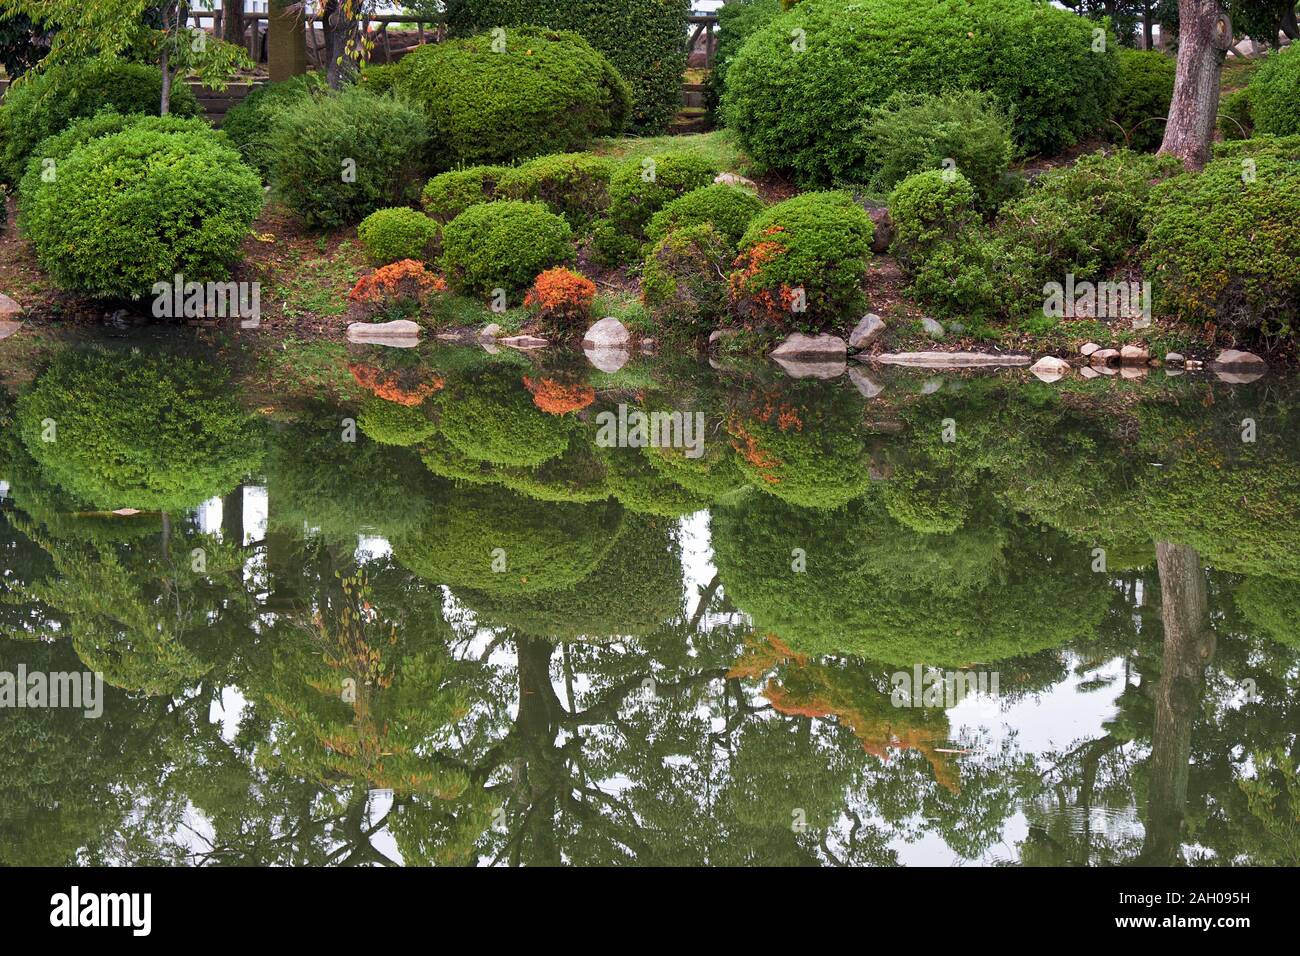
[139, 206]
[447, 195]
[248, 124]
[572, 185]
[390, 235]
[645, 40]
[737, 19]
[683, 280]
[1143, 92]
[818, 242]
[48, 102]
[1275, 93]
[503, 245]
[801, 110]
[546, 92]
[637, 190]
[335, 159]
[727, 208]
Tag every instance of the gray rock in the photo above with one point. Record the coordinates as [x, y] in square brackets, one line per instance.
[1133, 371]
[826, 368]
[717, 336]
[489, 331]
[931, 385]
[951, 359]
[731, 179]
[1089, 372]
[1175, 358]
[523, 342]
[867, 331]
[400, 333]
[1231, 358]
[884, 226]
[607, 359]
[9, 309]
[818, 347]
[1087, 348]
[1103, 357]
[8, 328]
[1133, 355]
[933, 328]
[608, 333]
[1050, 369]
[863, 383]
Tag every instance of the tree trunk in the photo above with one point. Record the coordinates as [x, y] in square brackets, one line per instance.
[165, 106]
[286, 42]
[1188, 648]
[232, 517]
[342, 34]
[232, 21]
[1148, 27]
[1287, 26]
[1204, 36]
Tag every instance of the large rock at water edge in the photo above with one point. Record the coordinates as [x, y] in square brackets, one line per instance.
[608, 333]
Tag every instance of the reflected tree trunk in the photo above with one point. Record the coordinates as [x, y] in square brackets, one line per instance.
[539, 773]
[1188, 649]
[232, 517]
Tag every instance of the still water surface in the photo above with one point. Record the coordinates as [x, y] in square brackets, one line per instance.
[363, 607]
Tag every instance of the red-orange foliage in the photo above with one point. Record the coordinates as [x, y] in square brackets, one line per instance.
[556, 398]
[748, 290]
[390, 387]
[393, 285]
[560, 296]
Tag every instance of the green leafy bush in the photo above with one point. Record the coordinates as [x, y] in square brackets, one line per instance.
[572, 185]
[1142, 94]
[134, 431]
[46, 103]
[1223, 245]
[802, 261]
[684, 280]
[727, 208]
[1234, 119]
[637, 190]
[140, 206]
[546, 92]
[392, 423]
[643, 39]
[737, 19]
[248, 124]
[802, 109]
[389, 235]
[1275, 93]
[503, 245]
[335, 159]
[964, 129]
[447, 195]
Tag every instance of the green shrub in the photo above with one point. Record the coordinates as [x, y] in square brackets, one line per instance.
[727, 208]
[140, 206]
[1142, 94]
[248, 124]
[1234, 119]
[737, 19]
[637, 190]
[816, 242]
[1275, 93]
[378, 78]
[683, 280]
[912, 132]
[572, 185]
[46, 103]
[390, 235]
[336, 159]
[1225, 249]
[135, 431]
[503, 245]
[1279, 147]
[547, 92]
[392, 423]
[803, 111]
[643, 39]
[447, 195]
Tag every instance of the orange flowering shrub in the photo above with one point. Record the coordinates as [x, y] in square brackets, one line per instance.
[392, 387]
[402, 287]
[561, 298]
[556, 398]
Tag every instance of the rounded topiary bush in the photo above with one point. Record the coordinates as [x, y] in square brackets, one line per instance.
[1223, 246]
[802, 261]
[1142, 95]
[638, 189]
[963, 130]
[683, 279]
[572, 185]
[249, 122]
[449, 194]
[1275, 93]
[546, 92]
[795, 99]
[393, 423]
[138, 207]
[729, 209]
[45, 103]
[132, 431]
[335, 159]
[390, 235]
[503, 245]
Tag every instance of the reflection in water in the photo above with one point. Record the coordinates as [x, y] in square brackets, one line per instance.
[420, 615]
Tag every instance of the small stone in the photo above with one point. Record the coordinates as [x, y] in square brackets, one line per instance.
[1193, 364]
[1107, 369]
[731, 179]
[864, 384]
[883, 234]
[524, 342]
[932, 328]
[1133, 371]
[717, 336]
[607, 359]
[400, 333]
[1087, 348]
[608, 333]
[1175, 358]
[819, 347]
[1050, 369]
[1103, 357]
[867, 331]
[1089, 372]
[1231, 358]
[949, 359]
[489, 331]
[1171, 372]
[1133, 355]
[957, 328]
[8, 328]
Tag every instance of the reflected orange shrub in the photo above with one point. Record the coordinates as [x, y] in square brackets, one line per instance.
[556, 398]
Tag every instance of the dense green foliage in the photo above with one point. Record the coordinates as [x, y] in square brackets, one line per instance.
[1275, 94]
[572, 185]
[46, 103]
[503, 245]
[729, 209]
[684, 280]
[336, 159]
[1142, 93]
[449, 194]
[637, 190]
[793, 97]
[249, 122]
[390, 235]
[1234, 120]
[546, 92]
[643, 39]
[137, 207]
[737, 19]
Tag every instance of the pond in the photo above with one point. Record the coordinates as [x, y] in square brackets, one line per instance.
[323, 605]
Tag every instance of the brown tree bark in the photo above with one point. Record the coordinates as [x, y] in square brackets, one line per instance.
[342, 35]
[232, 21]
[286, 41]
[1204, 35]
